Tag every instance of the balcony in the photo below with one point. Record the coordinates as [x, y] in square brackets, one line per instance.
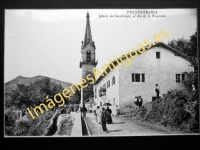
[102, 91]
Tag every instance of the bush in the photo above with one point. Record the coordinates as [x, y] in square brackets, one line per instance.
[178, 109]
[28, 96]
[10, 118]
[22, 126]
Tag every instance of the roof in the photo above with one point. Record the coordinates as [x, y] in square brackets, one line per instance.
[160, 44]
[88, 33]
[88, 99]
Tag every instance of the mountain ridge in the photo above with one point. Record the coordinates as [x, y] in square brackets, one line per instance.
[12, 84]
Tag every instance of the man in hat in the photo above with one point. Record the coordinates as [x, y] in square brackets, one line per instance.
[104, 119]
[109, 118]
[157, 90]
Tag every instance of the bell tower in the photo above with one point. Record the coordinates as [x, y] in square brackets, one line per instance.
[88, 61]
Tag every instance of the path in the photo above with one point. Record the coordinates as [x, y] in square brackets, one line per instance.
[121, 127]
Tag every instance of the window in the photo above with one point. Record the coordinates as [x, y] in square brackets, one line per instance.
[178, 77]
[88, 56]
[183, 77]
[136, 77]
[104, 86]
[108, 83]
[99, 92]
[143, 77]
[113, 80]
[133, 79]
[95, 92]
[158, 55]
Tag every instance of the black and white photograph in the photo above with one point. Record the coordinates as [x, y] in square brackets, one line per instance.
[100, 72]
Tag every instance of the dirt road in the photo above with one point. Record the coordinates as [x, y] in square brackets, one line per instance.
[125, 127]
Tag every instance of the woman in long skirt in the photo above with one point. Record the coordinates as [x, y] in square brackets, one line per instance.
[98, 112]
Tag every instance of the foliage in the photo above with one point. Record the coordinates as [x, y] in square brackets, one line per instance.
[40, 123]
[10, 117]
[177, 109]
[25, 96]
[26, 126]
[21, 126]
[186, 46]
[75, 99]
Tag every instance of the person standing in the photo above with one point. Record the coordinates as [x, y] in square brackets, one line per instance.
[94, 111]
[117, 111]
[109, 118]
[98, 112]
[83, 111]
[75, 108]
[104, 119]
[157, 90]
[90, 108]
[140, 101]
[137, 101]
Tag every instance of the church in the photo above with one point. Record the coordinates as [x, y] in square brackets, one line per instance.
[159, 64]
[88, 60]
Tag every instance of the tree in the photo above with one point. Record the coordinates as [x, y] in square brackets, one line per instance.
[187, 47]
[25, 96]
[75, 99]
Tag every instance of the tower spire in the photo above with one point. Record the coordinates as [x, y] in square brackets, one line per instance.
[88, 34]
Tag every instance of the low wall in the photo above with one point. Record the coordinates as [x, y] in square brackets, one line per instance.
[64, 125]
[77, 127]
[80, 127]
[85, 128]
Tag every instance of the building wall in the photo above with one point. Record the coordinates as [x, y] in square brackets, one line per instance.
[157, 71]
[87, 69]
[112, 92]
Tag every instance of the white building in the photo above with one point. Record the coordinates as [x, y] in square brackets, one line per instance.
[160, 65]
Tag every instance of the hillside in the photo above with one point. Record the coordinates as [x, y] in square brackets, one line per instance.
[11, 85]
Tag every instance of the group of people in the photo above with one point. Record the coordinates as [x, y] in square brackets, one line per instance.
[103, 116]
[139, 99]
[67, 109]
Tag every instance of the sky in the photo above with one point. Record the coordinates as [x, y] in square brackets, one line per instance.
[47, 42]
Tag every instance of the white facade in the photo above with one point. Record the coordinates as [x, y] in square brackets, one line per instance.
[162, 71]
[112, 92]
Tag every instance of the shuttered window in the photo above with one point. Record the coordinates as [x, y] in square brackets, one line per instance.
[137, 77]
[183, 77]
[133, 79]
[178, 77]
[113, 80]
[143, 77]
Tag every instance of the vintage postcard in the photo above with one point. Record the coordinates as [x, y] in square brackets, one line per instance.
[100, 72]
